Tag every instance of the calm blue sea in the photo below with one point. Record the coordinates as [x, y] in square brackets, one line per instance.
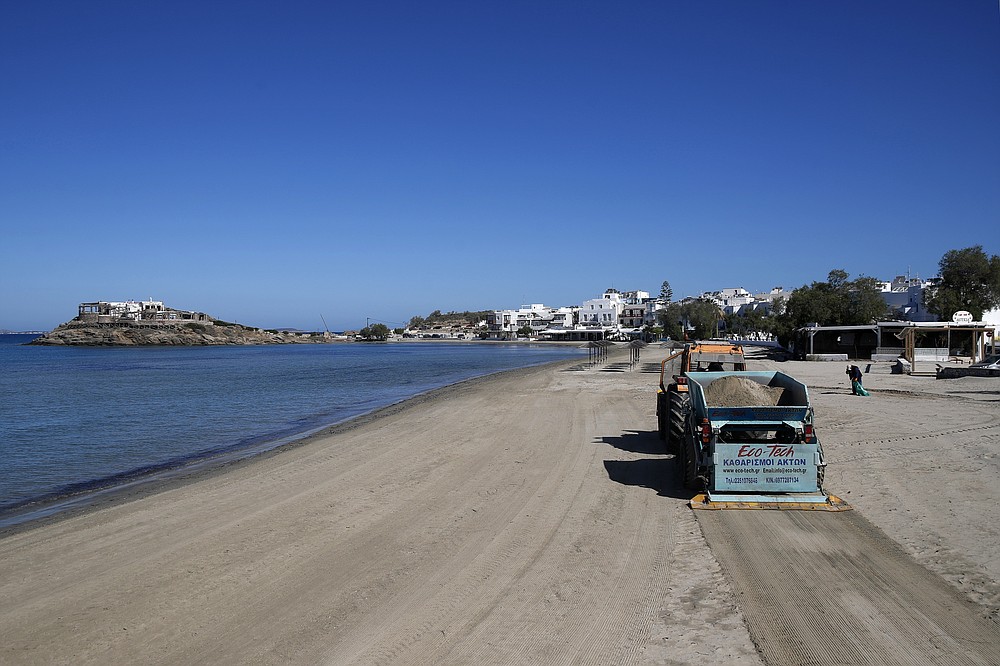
[74, 420]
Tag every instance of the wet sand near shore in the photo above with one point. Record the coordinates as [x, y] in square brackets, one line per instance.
[526, 518]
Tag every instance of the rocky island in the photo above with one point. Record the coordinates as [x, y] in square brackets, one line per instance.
[134, 323]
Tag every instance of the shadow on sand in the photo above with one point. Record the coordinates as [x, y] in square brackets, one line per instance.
[659, 473]
[636, 441]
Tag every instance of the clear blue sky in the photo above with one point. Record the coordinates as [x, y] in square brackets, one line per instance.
[269, 162]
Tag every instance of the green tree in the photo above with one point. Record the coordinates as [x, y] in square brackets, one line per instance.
[751, 321]
[836, 302]
[651, 333]
[671, 320]
[379, 332]
[756, 320]
[525, 331]
[704, 315]
[698, 319]
[968, 280]
[666, 293]
[865, 301]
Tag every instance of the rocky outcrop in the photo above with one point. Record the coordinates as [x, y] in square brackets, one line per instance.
[189, 334]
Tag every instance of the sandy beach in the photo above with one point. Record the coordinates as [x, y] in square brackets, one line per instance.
[532, 517]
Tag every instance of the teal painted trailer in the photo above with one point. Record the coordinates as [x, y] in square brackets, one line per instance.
[752, 454]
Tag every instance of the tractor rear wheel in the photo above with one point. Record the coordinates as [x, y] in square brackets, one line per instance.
[662, 417]
[690, 464]
[680, 403]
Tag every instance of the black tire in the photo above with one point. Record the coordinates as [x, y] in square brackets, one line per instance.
[690, 465]
[679, 405]
[662, 414]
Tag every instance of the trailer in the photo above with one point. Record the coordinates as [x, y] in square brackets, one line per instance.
[749, 441]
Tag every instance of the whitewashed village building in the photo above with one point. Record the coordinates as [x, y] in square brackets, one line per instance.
[135, 312]
[633, 316]
[905, 297]
[621, 315]
[730, 301]
[764, 301]
[597, 319]
[603, 311]
[504, 324]
[606, 318]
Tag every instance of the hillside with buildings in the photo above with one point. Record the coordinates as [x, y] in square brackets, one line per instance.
[621, 316]
[135, 323]
[614, 315]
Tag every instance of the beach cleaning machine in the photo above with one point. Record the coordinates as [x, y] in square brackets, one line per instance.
[749, 442]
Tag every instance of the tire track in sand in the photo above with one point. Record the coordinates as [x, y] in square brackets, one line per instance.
[515, 594]
[547, 608]
[832, 589]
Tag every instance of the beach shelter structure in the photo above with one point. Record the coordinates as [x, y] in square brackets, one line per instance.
[888, 340]
[977, 335]
[635, 347]
[598, 350]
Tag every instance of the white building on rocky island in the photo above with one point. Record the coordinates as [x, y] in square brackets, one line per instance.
[135, 312]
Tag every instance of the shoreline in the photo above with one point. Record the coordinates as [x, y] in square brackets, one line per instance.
[137, 484]
[456, 341]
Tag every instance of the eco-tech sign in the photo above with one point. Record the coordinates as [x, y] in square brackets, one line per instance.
[766, 467]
